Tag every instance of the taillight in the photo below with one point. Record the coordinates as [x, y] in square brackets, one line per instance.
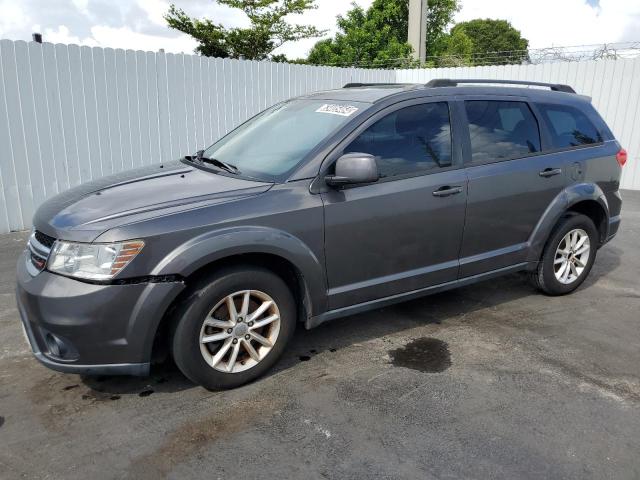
[621, 157]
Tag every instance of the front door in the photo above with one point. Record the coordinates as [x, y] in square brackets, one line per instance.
[403, 232]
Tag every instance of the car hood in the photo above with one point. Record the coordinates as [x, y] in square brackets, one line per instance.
[84, 212]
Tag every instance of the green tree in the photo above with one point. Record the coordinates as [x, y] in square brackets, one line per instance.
[378, 36]
[268, 28]
[363, 39]
[494, 42]
[455, 50]
[439, 16]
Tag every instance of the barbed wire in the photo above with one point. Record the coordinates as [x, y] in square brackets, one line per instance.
[573, 53]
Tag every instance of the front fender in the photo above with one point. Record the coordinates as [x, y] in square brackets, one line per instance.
[559, 205]
[216, 245]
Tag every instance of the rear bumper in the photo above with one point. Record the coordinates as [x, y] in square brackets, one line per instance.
[90, 329]
[614, 225]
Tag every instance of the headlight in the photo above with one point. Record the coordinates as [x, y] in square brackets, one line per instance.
[92, 261]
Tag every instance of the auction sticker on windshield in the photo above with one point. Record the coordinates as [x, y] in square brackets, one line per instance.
[342, 110]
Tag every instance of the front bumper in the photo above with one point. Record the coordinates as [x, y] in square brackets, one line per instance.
[91, 329]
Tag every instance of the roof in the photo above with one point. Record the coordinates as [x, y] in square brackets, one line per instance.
[372, 93]
[366, 93]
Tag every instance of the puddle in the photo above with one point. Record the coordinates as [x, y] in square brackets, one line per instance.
[426, 354]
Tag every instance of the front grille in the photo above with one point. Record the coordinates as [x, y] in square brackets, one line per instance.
[44, 239]
[39, 249]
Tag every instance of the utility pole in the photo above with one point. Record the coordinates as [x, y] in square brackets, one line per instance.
[417, 33]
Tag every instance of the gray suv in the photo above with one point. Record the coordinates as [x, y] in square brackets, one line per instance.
[319, 207]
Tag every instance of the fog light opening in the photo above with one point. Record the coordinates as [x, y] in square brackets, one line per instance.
[56, 347]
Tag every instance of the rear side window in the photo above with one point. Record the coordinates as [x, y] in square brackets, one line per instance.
[569, 126]
[410, 140]
[501, 130]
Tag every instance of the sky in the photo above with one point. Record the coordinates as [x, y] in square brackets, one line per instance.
[138, 24]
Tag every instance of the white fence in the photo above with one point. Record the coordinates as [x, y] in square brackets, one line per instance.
[69, 114]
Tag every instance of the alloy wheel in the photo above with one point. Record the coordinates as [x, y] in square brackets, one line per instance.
[572, 256]
[240, 331]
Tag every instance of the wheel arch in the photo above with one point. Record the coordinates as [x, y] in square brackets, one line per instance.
[584, 198]
[596, 212]
[276, 251]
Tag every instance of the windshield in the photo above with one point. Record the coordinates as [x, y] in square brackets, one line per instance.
[271, 144]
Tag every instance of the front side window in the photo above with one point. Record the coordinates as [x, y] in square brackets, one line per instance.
[410, 140]
[501, 130]
[273, 143]
[569, 126]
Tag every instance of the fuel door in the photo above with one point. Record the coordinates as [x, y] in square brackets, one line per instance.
[577, 172]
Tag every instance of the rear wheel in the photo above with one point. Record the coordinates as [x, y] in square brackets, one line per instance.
[233, 327]
[568, 256]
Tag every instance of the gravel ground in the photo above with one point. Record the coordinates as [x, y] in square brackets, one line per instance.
[488, 381]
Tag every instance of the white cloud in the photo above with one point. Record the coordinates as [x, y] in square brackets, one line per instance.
[155, 10]
[63, 35]
[548, 23]
[124, 37]
[12, 19]
[82, 6]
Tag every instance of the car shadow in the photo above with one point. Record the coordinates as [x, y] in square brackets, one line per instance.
[442, 308]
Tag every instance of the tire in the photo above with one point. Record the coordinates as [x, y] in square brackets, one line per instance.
[550, 267]
[196, 346]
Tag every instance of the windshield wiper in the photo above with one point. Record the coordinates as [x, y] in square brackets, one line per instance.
[218, 163]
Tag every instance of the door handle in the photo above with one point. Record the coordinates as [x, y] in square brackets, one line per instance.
[550, 172]
[446, 191]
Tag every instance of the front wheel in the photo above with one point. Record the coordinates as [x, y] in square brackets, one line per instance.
[568, 256]
[233, 327]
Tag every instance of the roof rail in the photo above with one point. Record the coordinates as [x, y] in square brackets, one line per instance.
[449, 82]
[354, 85]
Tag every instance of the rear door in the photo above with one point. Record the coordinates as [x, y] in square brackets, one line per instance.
[403, 232]
[511, 182]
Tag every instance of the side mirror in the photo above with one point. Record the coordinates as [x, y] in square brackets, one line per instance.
[354, 168]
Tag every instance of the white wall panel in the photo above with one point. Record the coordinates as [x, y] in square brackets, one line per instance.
[42, 133]
[20, 167]
[27, 106]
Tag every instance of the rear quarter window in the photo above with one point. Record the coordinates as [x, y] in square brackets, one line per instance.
[569, 127]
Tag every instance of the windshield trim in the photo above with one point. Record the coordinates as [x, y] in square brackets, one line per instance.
[209, 167]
